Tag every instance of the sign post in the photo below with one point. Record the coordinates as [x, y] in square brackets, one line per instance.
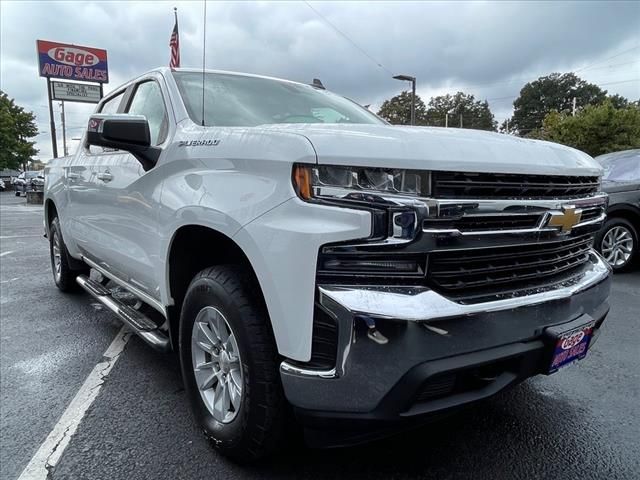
[71, 62]
[52, 126]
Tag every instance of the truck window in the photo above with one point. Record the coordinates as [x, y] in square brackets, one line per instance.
[148, 101]
[111, 105]
[246, 101]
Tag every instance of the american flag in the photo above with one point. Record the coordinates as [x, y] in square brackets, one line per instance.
[174, 43]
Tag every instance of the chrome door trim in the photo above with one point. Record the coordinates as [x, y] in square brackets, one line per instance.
[145, 297]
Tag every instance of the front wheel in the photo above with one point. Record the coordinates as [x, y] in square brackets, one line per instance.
[618, 243]
[230, 363]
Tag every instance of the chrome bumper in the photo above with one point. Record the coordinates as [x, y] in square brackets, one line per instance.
[422, 326]
[421, 304]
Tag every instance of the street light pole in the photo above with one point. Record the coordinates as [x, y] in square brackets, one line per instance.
[409, 78]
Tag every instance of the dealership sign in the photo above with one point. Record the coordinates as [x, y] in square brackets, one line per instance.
[72, 62]
[76, 92]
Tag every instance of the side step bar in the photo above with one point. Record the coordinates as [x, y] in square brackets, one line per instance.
[144, 327]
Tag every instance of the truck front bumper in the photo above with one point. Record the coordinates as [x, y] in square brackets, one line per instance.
[438, 353]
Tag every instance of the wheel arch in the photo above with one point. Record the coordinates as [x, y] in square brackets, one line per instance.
[191, 249]
[627, 212]
[50, 212]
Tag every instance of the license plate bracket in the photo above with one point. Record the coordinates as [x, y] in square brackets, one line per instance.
[568, 343]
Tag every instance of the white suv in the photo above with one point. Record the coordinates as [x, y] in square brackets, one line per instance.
[307, 259]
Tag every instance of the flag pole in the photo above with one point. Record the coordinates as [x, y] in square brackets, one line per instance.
[204, 51]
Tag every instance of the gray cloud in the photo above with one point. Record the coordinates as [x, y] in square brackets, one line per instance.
[487, 48]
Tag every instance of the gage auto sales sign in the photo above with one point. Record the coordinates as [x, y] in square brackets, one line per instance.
[61, 60]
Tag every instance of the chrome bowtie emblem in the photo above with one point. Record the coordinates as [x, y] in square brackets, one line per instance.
[566, 220]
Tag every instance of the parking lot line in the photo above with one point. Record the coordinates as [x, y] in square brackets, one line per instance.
[49, 453]
[4, 237]
[6, 253]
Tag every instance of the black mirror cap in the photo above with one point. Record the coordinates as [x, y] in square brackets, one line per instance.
[123, 132]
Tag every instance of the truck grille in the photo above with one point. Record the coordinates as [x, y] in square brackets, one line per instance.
[503, 185]
[488, 271]
[480, 223]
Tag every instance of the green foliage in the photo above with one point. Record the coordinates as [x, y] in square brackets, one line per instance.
[397, 110]
[596, 129]
[16, 128]
[475, 113]
[554, 92]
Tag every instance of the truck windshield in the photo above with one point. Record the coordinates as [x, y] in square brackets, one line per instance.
[244, 101]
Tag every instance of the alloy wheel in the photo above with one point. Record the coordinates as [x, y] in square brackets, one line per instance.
[216, 364]
[617, 246]
[57, 257]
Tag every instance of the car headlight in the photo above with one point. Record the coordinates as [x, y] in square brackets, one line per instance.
[357, 183]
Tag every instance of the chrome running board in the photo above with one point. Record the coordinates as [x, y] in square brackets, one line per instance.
[141, 325]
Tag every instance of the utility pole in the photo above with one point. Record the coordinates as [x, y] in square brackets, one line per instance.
[64, 130]
[413, 101]
[446, 120]
[507, 126]
[574, 107]
[460, 120]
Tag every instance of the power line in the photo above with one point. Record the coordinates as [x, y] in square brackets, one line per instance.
[606, 59]
[344, 35]
[598, 84]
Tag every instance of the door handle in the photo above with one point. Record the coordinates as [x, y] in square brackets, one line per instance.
[72, 177]
[105, 176]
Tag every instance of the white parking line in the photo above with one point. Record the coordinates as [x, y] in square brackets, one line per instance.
[4, 237]
[6, 253]
[51, 450]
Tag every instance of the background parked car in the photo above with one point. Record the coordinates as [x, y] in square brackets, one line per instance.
[618, 240]
[2, 185]
[32, 180]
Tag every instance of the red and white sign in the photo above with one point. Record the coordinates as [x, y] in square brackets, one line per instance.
[72, 62]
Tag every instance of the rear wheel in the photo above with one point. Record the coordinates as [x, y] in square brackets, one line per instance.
[63, 275]
[618, 243]
[230, 363]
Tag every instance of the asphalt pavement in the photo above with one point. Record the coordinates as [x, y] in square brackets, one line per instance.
[583, 422]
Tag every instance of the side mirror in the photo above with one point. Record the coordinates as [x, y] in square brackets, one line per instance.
[124, 132]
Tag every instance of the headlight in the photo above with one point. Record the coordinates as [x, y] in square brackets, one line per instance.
[354, 183]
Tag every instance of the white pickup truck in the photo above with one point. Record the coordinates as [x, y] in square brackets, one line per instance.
[309, 261]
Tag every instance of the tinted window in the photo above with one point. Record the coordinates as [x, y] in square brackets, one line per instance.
[111, 105]
[621, 167]
[148, 101]
[237, 100]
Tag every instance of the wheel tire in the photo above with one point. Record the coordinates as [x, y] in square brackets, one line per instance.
[614, 228]
[17, 193]
[64, 276]
[256, 426]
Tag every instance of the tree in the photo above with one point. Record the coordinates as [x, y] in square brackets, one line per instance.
[618, 101]
[596, 129]
[17, 126]
[397, 110]
[554, 92]
[475, 113]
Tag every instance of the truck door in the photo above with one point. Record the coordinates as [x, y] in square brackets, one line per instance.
[83, 201]
[127, 218]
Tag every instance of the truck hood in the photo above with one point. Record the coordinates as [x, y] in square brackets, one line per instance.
[432, 148]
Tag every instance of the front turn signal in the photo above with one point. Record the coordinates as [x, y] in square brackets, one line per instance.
[302, 181]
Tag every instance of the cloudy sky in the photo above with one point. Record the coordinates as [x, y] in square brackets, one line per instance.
[489, 49]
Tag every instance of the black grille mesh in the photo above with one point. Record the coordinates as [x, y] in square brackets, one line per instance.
[504, 185]
[500, 269]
